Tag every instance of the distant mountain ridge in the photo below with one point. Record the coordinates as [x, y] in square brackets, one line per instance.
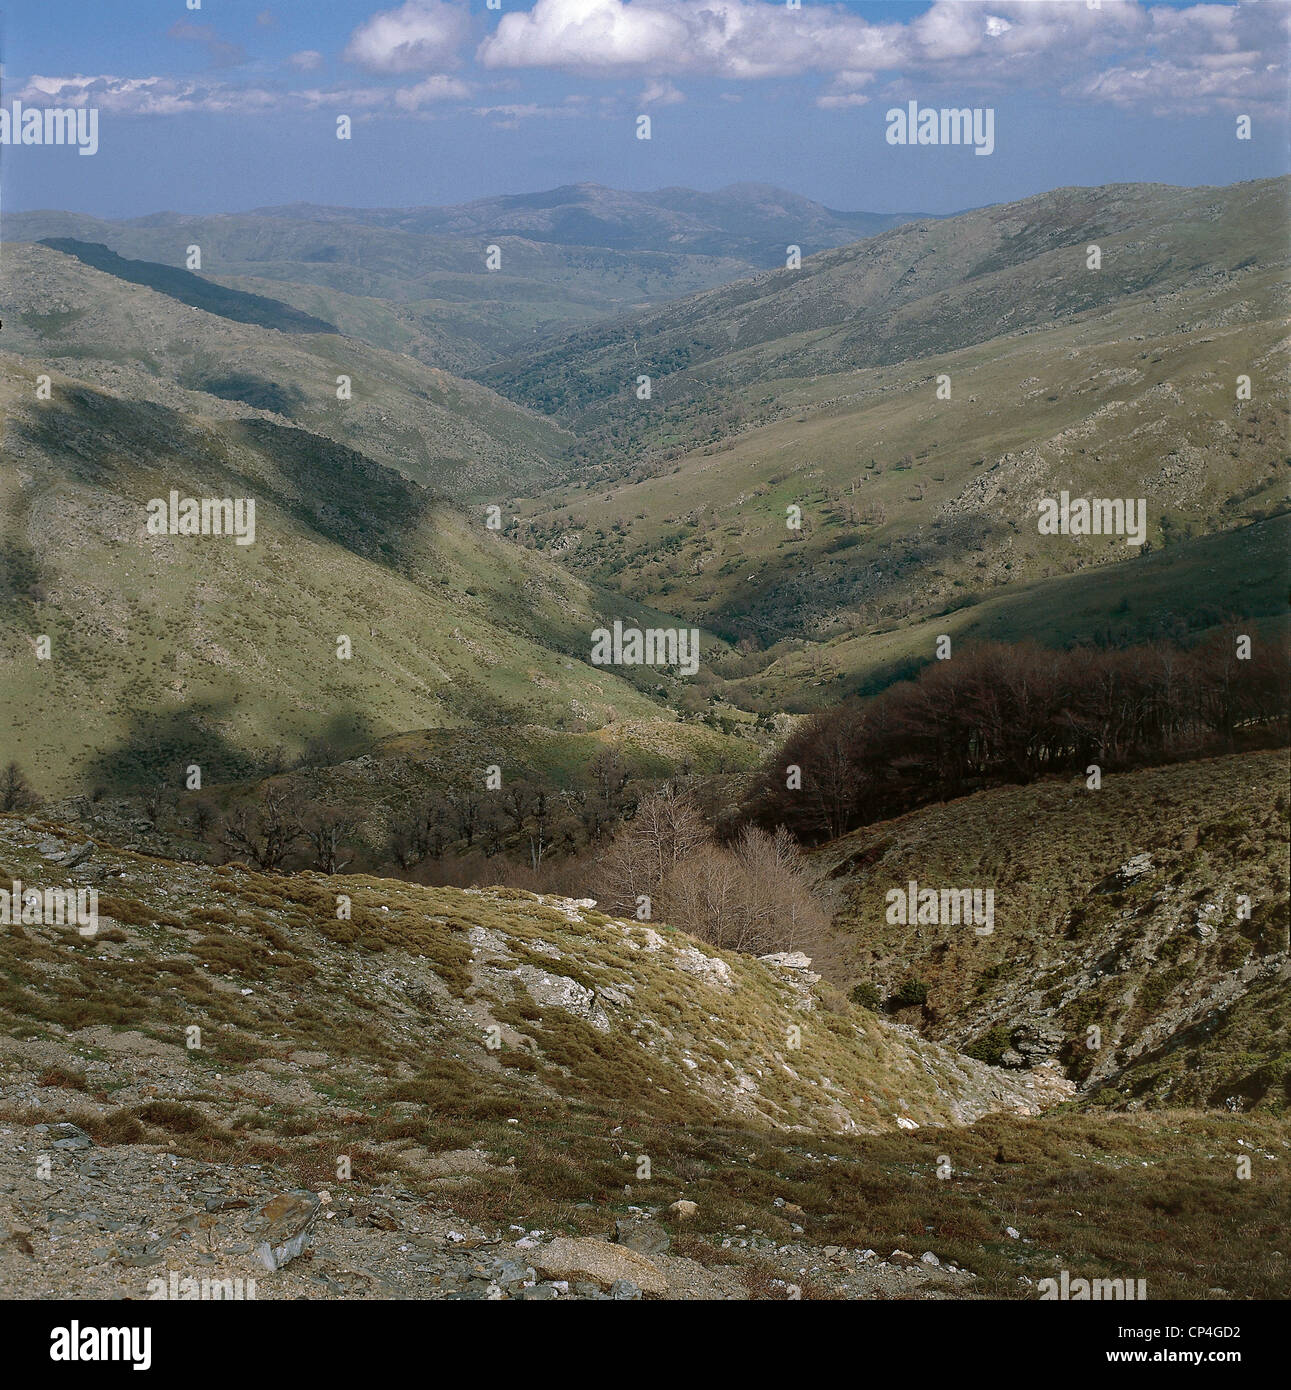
[750, 221]
[415, 280]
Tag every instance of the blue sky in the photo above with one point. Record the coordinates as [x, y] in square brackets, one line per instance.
[233, 105]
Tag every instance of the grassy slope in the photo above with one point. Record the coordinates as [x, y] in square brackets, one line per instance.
[1177, 592]
[168, 650]
[1129, 403]
[366, 1037]
[923, 288]
[436, 428]
[1191, 999]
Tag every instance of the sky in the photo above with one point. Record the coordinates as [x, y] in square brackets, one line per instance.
[209, 106]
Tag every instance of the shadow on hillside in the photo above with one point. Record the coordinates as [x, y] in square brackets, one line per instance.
[160, 745]
[340, 495]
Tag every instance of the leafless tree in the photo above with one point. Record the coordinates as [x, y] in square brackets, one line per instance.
[264, 832]
[15, 791]
[667, 827]
[327, 830]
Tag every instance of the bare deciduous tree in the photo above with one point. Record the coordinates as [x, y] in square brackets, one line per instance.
[15, 791]
[263, 832]
[327, 829]
[1001, 713]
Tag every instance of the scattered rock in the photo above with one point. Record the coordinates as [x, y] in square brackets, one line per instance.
[712, 970]
[68, 1136]
[558, 991]
[284, 1223]
[66, 858]
[599, 1262]
[643, 1236]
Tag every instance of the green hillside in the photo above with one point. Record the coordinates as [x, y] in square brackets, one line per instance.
[923, 288]
[918, 510]
[450, 434]
[1119, 908]
[169, 649]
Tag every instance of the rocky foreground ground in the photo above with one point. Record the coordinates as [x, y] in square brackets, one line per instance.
[136, 1222]
[451, 1093]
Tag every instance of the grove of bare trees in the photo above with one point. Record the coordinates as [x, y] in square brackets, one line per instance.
[755, 894]
[1011, 713]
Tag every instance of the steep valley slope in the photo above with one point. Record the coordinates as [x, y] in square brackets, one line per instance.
[447, 1093]
[1153, 910]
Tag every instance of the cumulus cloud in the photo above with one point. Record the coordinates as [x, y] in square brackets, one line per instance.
[1109, 53]
[1202, 57]
[660, 93]
[593, 35]
[429, 91]
[419, 35]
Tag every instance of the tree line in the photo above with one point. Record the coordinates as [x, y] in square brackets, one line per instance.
[1000, 713]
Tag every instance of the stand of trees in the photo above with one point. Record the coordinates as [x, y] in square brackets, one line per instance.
[1012, 713]
[449, 833]
[756, 893]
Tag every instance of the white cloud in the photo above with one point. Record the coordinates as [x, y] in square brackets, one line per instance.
[1101, 52]
[167, 96]
[510, 117]
[835, 101]
[136, 96]
[585, 34]
[1200, 58]
[419, 35]
[660, 93]
[432, 89]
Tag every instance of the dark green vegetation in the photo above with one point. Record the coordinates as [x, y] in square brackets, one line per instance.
[192, 289]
